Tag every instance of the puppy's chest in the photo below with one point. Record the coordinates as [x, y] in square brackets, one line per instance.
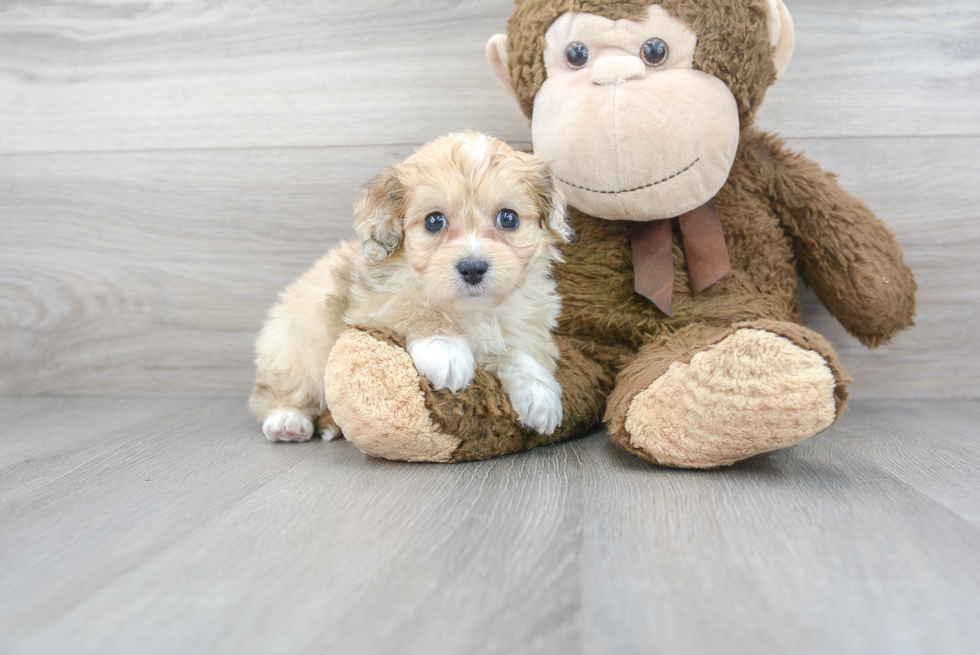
[486, 335]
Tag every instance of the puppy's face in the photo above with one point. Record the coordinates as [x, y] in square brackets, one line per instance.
[468, 215]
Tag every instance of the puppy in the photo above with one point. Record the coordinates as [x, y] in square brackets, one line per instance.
[458, 245]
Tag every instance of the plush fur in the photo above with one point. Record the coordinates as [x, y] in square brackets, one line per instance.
[781, 215]
[407, 278]
[751, 393]
[391, 419]
[674, 352]
[376, 400]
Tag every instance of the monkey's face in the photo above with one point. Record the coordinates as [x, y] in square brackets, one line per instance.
[632, 131]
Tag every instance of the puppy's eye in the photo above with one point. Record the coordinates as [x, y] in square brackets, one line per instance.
[435, 222]
[576, 55]
[654, 52]
[507, 219]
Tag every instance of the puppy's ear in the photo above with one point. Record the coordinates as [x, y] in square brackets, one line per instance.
[378, 215]
[551, 200]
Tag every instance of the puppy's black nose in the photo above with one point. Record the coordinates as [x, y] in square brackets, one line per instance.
[472, 270]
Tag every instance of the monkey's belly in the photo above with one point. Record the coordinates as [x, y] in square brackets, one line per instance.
[600, 304]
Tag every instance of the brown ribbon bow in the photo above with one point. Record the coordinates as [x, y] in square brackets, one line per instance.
[653, 254]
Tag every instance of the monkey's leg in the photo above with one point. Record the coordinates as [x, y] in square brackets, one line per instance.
[387, 410]
[706, 397]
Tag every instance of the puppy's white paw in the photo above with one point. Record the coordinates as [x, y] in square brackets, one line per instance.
[533, 392]
[538, 404]
[446, 362]
[286, 425]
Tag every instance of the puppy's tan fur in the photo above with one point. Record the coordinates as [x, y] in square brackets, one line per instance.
[404, 278]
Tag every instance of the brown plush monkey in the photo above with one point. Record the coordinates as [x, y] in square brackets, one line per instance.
[682, 318]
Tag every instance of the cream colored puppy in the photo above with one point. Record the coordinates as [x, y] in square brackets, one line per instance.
[458, 245]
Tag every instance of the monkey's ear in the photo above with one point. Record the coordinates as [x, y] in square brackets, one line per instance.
[378, 215]
[497, 58]
[782, 34]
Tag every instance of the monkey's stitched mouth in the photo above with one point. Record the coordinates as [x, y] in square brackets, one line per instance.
[639, 188]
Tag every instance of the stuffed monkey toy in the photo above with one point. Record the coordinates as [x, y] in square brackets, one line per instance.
[681, 322]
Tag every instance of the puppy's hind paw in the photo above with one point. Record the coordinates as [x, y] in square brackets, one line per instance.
[538, 405]
[286, 425]
[327, 427]
[446, 362]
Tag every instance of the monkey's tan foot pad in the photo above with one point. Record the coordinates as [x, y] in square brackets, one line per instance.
[375, 395]
[751, 393]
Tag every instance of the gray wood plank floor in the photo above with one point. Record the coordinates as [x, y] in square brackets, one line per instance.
[172, 526]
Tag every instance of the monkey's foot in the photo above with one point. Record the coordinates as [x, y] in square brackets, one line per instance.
[751, 392]
[376, 397]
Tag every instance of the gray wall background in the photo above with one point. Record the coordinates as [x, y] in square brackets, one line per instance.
[166, 168]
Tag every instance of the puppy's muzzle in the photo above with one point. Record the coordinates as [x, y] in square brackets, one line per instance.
[473, 270]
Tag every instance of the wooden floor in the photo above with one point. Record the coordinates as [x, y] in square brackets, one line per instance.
[172, 526]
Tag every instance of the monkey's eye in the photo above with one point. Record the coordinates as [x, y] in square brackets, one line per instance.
[577, 55]
[654, 52]
[435, 222]
[507, 219]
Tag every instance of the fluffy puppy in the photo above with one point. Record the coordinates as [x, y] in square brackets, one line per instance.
[458, 245]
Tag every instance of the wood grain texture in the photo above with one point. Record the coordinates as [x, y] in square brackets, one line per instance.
[95, 76]
[150, 273]
[273, 549]
[186, 532]
[835, 546]
[45, 438]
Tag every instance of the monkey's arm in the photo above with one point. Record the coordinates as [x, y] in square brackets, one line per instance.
[845, 252]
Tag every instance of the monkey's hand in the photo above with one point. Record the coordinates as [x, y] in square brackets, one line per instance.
[845, 252]
[385, 408]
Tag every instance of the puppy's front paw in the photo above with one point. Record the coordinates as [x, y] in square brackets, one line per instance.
[446, 362]
[537, 403]
[286, 425]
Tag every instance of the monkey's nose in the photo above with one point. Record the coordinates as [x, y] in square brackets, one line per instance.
[473, 270]
[616, 70]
